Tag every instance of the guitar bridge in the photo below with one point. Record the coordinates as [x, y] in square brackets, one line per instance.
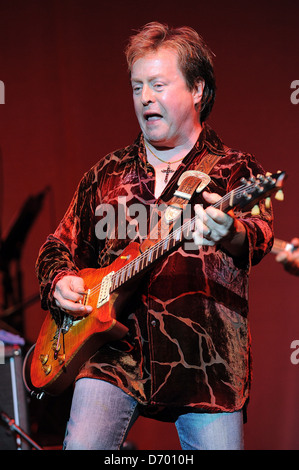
[105, 289]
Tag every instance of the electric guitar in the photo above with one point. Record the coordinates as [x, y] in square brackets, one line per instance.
[52, 364]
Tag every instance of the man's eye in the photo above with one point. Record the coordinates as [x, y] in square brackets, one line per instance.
[136, 89]
[158, 86]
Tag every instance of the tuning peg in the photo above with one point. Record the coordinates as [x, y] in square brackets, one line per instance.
[255, 210]
[279, 195]
[246, 196]
[268, 173]
[268, 202]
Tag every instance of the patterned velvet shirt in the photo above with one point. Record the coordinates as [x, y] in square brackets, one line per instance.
[188, 343]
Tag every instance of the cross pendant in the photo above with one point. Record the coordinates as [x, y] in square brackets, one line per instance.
[167, 173]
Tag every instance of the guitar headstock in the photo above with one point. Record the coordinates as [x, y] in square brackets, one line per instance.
[256, 189]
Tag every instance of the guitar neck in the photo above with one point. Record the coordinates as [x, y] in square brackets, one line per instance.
[168, 244]
[146, 259]
[245, 195]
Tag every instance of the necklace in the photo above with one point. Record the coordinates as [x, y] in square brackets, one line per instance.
[168, 169]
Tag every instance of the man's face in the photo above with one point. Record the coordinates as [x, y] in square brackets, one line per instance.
[165, 108]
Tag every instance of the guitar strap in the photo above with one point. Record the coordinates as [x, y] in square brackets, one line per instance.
[190, 182]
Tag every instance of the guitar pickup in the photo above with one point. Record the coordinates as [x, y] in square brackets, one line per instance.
[105, 289]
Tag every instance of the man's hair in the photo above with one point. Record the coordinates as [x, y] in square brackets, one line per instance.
[194, 56]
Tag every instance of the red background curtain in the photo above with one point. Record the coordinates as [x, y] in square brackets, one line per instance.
[68, 103]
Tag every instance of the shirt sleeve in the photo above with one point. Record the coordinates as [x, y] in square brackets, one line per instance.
[259, 228]
[72, 247]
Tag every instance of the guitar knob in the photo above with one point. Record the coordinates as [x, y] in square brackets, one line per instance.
[43, 358]
[55, 347]
[268, 202]
[61, 359]
[47, 369]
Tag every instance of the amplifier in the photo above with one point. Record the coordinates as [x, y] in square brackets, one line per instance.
[13, 398]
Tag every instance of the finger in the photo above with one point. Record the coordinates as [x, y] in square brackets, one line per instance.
[217, 214]
[212, 224]
[220, 221]
[201, 235]
[68, 300]
[70, 288]
[197, 238]
[72, 307]
[201, 224]
[77, 285]
[211, 198]
[65, 293]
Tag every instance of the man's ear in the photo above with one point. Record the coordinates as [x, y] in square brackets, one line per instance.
[198, 91]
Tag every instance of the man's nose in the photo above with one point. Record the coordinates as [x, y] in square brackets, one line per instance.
[147, 95]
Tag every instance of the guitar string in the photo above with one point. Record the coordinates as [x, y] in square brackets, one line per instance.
[173, 236]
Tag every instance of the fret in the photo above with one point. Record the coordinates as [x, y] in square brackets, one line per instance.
[149, 255]
[187, 230]
[159, 250]
[155, 250]
[223, 205]
[166, 244]
[118, 280]
[137, 263]
[113, 284]
[172, 242]
[142, 264]
[178, 235]
[129, 270]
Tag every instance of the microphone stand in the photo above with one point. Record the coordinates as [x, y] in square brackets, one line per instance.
[13, 427]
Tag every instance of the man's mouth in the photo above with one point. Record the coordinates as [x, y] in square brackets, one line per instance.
[152, 116]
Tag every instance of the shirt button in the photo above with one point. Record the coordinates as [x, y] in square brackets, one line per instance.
[153, 322]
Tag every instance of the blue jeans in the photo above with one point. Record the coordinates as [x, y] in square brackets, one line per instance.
[102, 415]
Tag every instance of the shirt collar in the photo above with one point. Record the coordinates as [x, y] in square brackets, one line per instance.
[207, 138]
